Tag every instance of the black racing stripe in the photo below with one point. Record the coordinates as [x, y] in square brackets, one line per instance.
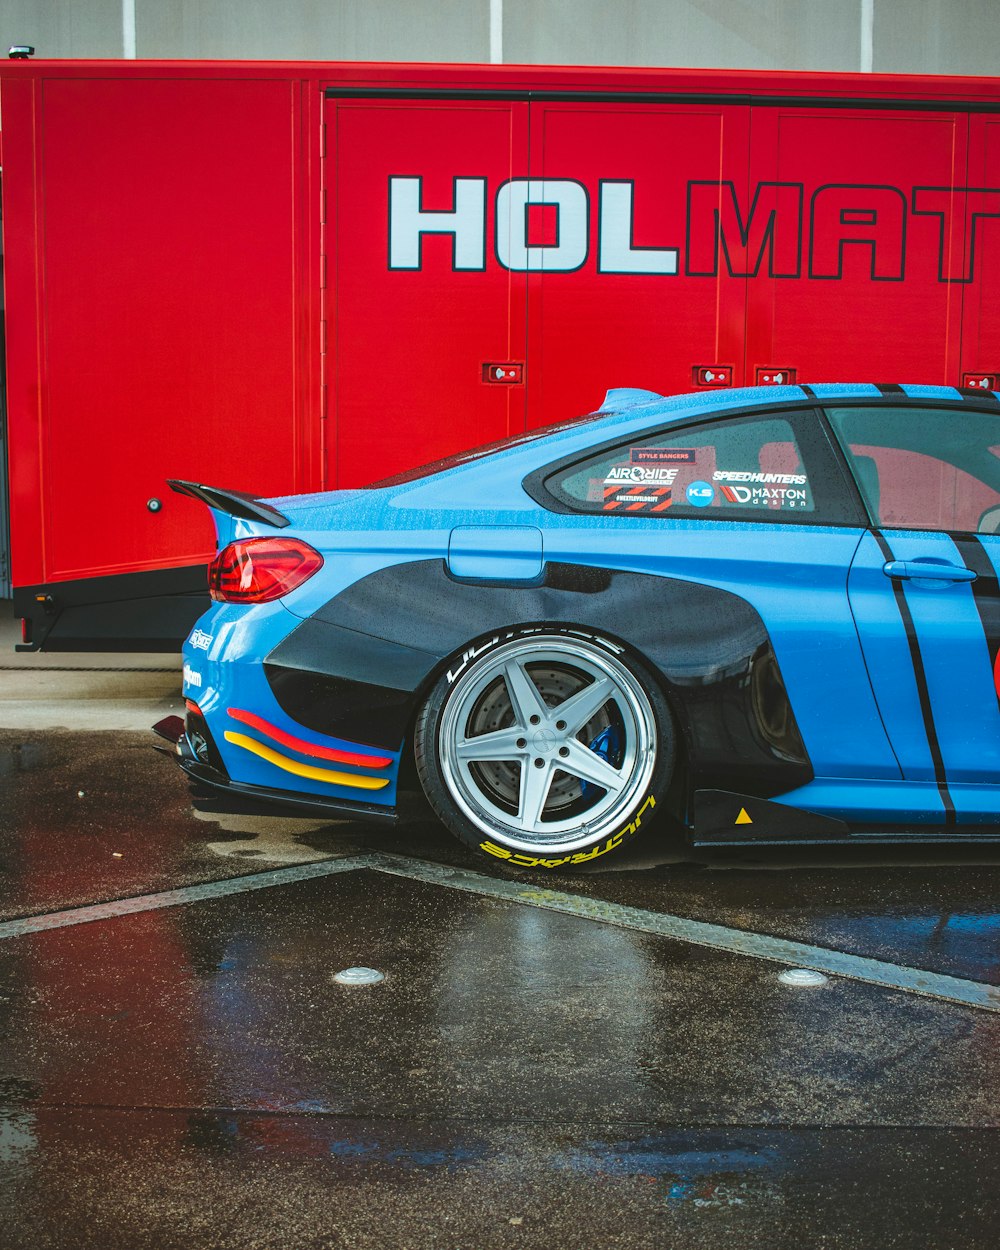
[986, 593]
[920, 674]
[976, 393]
[889, 388]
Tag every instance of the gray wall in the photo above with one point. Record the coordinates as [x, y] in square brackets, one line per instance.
[916, 36]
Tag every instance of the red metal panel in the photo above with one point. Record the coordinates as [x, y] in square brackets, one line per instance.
[738, 83]
[22, 297]
[164, 268]
[979, 210]
[415, 315]
[865, 297]
[632, 314]
[170, 317]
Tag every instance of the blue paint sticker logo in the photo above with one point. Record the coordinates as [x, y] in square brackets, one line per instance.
[700, 494]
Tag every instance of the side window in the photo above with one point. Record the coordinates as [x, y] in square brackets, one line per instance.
[749, 468]
[925, 468]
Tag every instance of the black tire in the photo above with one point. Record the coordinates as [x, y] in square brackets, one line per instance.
[522, 760]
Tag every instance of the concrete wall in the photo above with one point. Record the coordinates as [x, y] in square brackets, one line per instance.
[907, 36]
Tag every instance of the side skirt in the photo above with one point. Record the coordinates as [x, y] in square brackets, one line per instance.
[721, 816]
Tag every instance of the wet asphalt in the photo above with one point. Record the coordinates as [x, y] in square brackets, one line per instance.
[192, 1076]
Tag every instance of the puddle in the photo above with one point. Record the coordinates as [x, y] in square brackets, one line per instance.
[22, 757]
[279, 838]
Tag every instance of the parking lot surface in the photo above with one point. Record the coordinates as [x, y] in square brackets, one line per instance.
[551, 1060]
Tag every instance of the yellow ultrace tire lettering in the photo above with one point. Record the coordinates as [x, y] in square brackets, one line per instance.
[492, 849]
[581, 857]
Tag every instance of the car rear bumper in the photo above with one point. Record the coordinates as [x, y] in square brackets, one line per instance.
[173, 730]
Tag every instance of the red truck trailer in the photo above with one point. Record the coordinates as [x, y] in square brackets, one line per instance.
[294, 277]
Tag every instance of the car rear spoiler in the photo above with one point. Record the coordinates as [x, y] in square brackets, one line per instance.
[233, 502]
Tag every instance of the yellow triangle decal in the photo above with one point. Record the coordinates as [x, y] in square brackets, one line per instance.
[743, 818]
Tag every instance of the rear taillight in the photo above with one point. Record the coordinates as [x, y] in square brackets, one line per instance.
[258, 570]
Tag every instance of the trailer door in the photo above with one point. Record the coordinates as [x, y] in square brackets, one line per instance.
[4, 506]
[154, 331]
[631, 305]
[979, 212]
[870, 293]
[425, 352]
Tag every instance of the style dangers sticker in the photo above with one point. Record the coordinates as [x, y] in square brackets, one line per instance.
[661, 455]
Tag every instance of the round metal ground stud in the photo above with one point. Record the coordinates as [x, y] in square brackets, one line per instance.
[358, 976]
[801, 977]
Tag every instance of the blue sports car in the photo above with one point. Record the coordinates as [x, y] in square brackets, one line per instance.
[769, 613]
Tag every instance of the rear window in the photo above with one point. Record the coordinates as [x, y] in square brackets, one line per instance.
[748, 468]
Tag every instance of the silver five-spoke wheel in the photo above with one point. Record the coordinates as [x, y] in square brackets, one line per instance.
[547, 742]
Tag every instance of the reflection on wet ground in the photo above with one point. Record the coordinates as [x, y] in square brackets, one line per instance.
[488, 1009]
[194, 1075]
[227, 1179]
[94, 816]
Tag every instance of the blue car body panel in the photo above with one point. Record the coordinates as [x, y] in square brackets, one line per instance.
[843, 649]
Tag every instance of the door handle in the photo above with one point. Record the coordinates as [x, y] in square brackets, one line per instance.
[908, 569]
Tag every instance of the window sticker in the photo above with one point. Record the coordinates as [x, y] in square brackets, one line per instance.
[662, 455]
[738, 468]
[644, 484]
[763, 490]
[700, 494]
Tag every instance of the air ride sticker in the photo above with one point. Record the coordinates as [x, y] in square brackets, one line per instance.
[638, 486]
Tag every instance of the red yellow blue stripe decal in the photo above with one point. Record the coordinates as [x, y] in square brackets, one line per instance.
[330, 776]
[334, 754]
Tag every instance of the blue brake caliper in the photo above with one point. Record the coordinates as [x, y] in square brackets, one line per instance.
[606, 745]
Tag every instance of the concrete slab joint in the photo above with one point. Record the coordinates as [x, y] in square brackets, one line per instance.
[835, 963]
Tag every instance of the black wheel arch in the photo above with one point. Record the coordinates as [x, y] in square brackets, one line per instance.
[709, 648]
